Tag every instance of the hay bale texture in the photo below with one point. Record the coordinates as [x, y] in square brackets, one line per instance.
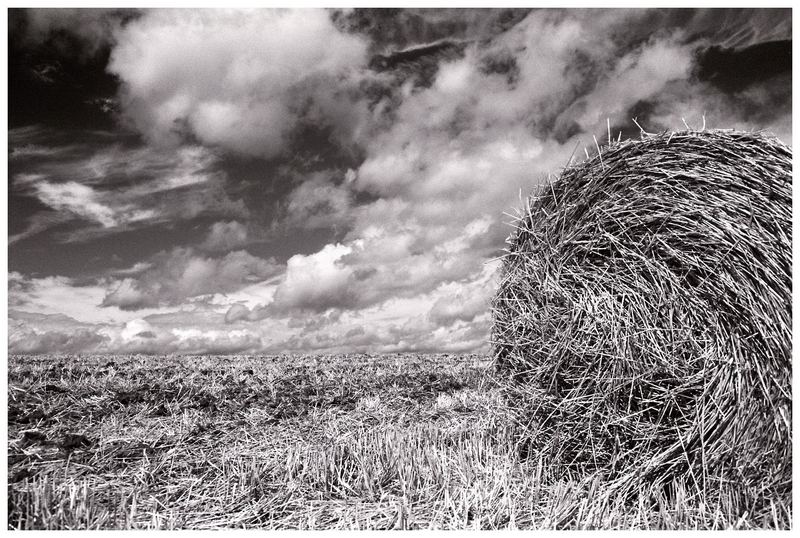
[644, 311]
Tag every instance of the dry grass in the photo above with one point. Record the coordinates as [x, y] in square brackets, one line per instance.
[299, 442]
[644, 320]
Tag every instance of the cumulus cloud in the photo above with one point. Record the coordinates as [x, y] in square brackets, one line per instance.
[452, 317]
[317, 282]
[168, 333]
[31, 332]
[29, 341]
[48, 333]
[137, 328]
[445, 159]
[225, 236]
[182, 273]
[195, 341]
[188, 330]
[24, 339]
[242, 80]
[60, 295]
[465, 300]
[415, 334]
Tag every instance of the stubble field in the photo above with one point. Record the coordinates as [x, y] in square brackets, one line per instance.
[328, 442]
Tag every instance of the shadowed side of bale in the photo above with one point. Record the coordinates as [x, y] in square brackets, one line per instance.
[644, 312]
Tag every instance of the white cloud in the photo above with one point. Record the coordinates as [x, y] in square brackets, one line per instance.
[79, 199]
[25, 340]
[640, 75]
[61, 295]
[182, 274]
[252, 295]
[457, 154]
[237, 79]
[317, 281]
[137, 328]
[177, 332]
[225, 236]
[195, 341]
[453, 158]
[464, 300]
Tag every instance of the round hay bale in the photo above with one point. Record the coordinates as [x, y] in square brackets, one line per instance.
[644, 311]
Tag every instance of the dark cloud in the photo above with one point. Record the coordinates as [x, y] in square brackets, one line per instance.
[733, 70]
[57, 66]
[239, 312]
[392, 30]
[236, 312]
[732, 28]
[146, 334]
[71, 31]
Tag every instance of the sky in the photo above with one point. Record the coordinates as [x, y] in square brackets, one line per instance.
[326, 181]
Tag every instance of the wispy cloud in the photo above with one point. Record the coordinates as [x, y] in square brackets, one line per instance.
[80, 199]
[114, 188]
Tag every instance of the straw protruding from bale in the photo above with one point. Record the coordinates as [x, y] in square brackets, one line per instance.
[644, 311]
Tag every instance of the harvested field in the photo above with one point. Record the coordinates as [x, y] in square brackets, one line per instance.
[405, 442]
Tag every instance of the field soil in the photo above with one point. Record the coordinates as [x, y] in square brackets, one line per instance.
[327, 442]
